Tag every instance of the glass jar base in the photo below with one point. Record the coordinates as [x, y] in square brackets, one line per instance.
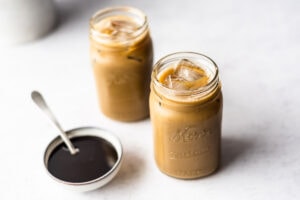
[191, 176]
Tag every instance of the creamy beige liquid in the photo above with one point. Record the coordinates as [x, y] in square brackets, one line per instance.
[186, 133]
[122, 65]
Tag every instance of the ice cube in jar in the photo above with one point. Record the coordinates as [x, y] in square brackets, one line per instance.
[185, 75]
[122, 53]
[118, 28]
[186, 115]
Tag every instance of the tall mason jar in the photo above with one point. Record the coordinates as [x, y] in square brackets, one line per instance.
[122, 56]
[186, 114]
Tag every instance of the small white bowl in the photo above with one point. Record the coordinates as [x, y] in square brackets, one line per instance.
[102, 180]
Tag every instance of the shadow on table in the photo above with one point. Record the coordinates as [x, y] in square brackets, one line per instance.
[131, 170]
[235, 149]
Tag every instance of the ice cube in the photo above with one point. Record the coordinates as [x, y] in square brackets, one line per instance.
[174, 82]
[186, 76]
[188, 70]
[118, 29]
[123, 26]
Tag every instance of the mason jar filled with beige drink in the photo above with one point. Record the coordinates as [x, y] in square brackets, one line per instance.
[186, 115]
[122, 54]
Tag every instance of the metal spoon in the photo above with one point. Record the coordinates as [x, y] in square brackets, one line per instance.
[41, 103]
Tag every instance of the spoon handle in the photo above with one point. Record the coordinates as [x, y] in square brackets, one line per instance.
[41, 103]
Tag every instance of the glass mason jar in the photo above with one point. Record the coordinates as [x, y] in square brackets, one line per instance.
[186, 114]
[122, 56]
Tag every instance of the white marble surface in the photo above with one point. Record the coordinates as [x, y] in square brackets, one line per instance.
[257, 47]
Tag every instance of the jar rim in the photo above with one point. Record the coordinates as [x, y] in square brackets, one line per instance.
[121, 10]
[199, 92]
